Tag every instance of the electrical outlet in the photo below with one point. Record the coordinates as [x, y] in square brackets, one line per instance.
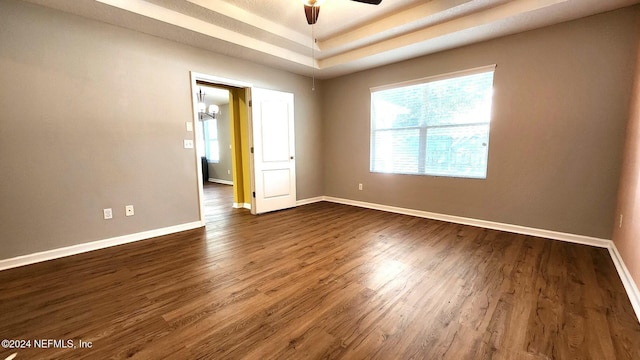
[228, 172]
[128, 210]
[188, 144]
[108, 214]
[620, 223]
[360, 186]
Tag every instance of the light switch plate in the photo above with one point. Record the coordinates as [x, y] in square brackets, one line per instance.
[189, 126]
[188, 144]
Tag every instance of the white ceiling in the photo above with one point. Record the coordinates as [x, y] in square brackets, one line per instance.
[214, 95]
[351, 36]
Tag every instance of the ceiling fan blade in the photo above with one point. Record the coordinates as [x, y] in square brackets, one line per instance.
[372, 2]
[311, 12]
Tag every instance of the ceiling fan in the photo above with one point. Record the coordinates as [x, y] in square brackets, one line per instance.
[312, 8]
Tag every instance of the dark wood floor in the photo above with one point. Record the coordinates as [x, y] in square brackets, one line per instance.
[324, 281]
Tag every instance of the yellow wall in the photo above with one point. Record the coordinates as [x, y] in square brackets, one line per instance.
[240, 152]
[244, 140]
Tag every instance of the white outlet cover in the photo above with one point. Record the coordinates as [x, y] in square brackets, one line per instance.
[128, 210]
[188, 144]
[108, 213]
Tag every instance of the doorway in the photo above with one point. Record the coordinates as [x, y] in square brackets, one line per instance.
[262, 144]
[215, 143]
[222, 142]
[215, 146]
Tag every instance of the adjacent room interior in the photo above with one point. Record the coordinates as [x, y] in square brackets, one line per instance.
[379, 179]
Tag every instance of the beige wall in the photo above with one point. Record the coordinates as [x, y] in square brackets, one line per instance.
[90, 114]
[627, 236]
[93, 116]
[560, 108]
[222, 169]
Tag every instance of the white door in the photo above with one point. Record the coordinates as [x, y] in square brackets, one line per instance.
[274, 149]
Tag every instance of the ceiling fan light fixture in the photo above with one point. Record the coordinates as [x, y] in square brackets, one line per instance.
[311, 13]
[312, 2]
[202, 107]
[312, 8]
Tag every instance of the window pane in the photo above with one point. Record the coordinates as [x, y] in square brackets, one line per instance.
[457, 151]
[213, 151]
[211, 139]
[396, 151]
[438, 127]
[461, 100]
[212, 128]
[396, 108]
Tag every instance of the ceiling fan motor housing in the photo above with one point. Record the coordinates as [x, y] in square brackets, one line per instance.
[312, 8]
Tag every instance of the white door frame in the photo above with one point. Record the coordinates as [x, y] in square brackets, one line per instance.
[195, 76]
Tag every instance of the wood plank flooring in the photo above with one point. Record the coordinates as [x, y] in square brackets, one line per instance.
[324, 281]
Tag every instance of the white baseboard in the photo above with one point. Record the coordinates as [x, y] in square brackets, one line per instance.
[623, 272]
[310, 200]
[242, 206]
[549, 234]
[629, 285]
[94, 245]
[220, 181]
[627, 280]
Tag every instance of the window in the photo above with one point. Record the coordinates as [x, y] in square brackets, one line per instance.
[212, 145]
[436, 126]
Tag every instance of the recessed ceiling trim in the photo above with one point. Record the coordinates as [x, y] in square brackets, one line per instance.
[190, 23]
[241, 15]
[497, 13]
[352, 37]
[401, 18]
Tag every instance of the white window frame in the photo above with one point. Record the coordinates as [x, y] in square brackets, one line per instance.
[423, 129]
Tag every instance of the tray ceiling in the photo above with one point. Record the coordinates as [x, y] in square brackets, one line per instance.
[350, 36]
